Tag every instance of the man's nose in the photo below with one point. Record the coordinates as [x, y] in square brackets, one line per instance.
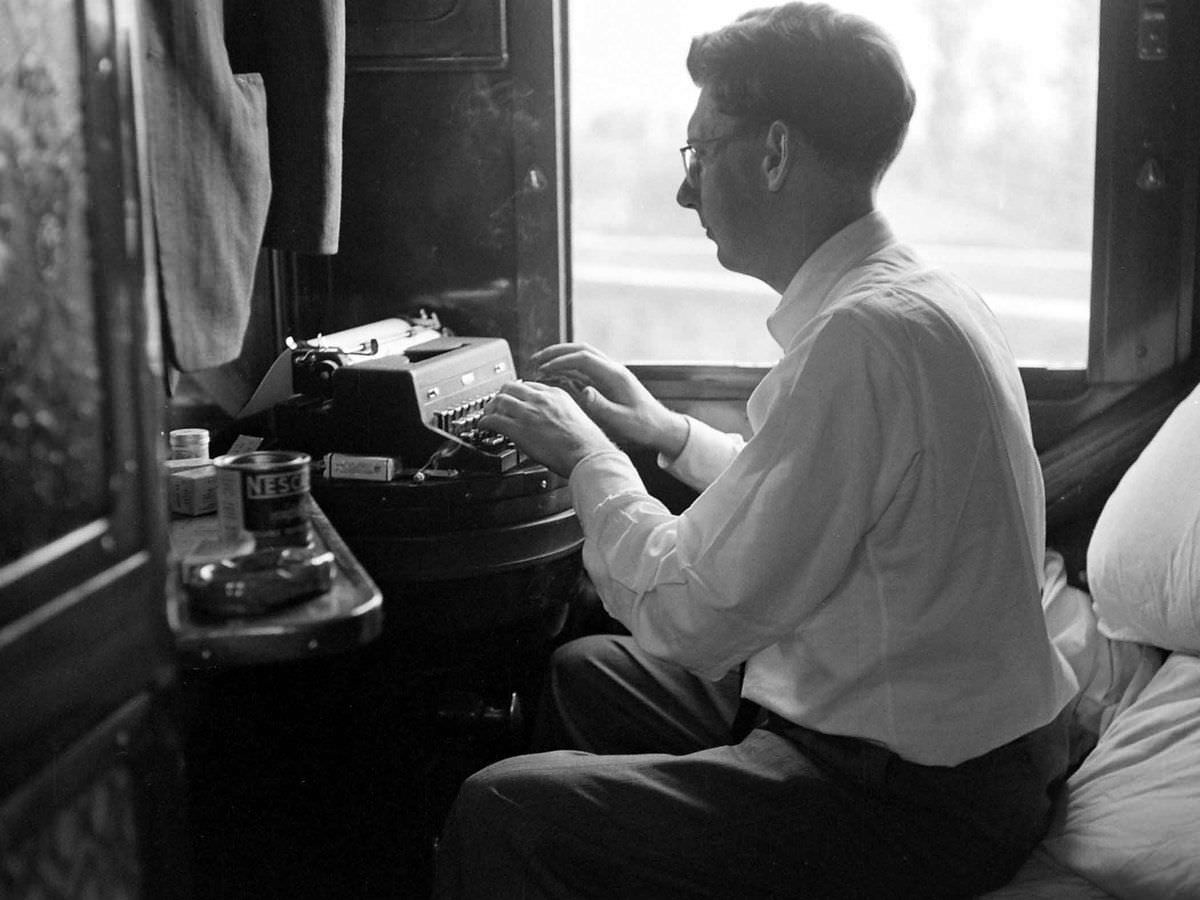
[687, 196]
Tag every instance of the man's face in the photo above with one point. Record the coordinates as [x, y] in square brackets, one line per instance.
[724, 190]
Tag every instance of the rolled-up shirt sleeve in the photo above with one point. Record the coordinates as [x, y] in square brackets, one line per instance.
[773, 535]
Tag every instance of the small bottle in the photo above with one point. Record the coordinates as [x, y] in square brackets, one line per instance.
[189, 443]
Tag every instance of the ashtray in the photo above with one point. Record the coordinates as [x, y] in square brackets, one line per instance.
[258, 583]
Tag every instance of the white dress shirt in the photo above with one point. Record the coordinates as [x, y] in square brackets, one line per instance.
[874, 550]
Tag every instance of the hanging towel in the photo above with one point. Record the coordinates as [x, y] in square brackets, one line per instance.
[299, 47]
[209, 140]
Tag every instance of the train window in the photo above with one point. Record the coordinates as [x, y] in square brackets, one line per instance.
[995, 180]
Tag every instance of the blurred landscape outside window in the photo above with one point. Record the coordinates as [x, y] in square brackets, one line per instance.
[995, 181]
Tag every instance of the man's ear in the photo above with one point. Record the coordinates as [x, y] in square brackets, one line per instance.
[783, 144]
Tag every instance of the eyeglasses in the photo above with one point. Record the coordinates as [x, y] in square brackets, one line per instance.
[691, 159]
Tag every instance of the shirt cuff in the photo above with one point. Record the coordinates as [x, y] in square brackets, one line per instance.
[598, 477]
[705, 454]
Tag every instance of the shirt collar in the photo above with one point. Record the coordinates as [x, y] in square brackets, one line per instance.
[811, 288]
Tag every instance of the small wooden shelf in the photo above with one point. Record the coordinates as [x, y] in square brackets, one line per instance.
[347, 616]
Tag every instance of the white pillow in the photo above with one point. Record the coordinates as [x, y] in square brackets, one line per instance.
[1143, 563]
[1110, 673]
[1043, 878]
[1133, 807]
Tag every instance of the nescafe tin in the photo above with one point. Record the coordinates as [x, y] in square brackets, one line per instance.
[265, 494]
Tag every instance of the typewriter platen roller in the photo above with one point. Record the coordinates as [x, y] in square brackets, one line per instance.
[314, 362]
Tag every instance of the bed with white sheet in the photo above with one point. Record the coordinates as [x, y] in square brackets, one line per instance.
[1129, 824]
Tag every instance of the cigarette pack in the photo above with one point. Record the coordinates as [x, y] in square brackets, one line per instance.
[361, 468]
[193, 491]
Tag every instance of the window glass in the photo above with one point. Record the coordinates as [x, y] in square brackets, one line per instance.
[53, 463]
[994, 182]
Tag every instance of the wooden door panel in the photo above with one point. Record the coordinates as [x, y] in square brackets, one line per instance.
[90, 772]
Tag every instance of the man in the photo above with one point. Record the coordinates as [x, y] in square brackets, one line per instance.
[870, 558]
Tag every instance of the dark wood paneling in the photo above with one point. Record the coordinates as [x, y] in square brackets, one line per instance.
[102, 819]
[426, 34]
[1081, 470]
[454, 196]
[1144, 257]
[80, 655]
[427, 215]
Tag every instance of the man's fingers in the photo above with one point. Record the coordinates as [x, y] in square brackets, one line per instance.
[588, 368]
[554, 351]
[517, 401]
[524, 391]
[575, 363]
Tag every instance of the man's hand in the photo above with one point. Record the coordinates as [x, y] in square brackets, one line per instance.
[545, 423]
[609, 393]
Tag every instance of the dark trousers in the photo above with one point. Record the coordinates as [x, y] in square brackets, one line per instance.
[653, 802]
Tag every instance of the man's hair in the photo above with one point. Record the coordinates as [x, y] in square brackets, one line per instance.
[836, 77]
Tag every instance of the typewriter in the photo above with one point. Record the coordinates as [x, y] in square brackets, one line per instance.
[398, 400]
